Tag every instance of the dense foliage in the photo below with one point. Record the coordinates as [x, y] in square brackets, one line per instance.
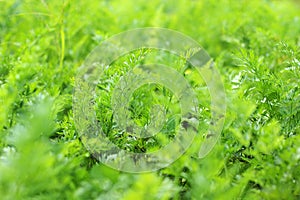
[256, 47]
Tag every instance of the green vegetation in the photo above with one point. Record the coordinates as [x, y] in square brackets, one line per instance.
[256, 47]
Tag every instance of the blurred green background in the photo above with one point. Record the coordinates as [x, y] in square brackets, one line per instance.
[256, 47]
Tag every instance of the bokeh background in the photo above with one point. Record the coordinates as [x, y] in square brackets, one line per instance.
[255, 45]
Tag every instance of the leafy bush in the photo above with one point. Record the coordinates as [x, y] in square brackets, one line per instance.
[255, 45]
